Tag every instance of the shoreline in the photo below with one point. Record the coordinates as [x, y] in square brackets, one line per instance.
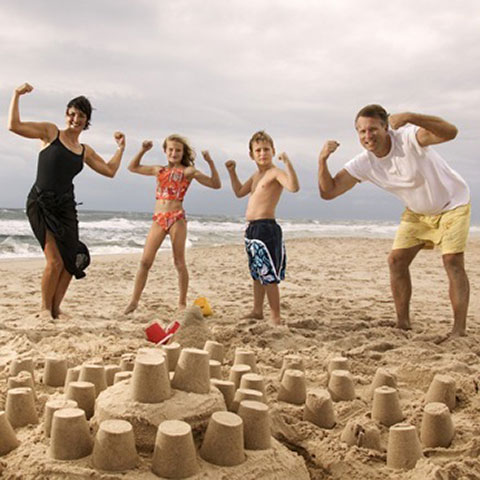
[473, 239]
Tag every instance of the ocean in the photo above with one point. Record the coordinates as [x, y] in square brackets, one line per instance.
[125, 232]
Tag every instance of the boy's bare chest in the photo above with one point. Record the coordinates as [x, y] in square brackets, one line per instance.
[263, 183]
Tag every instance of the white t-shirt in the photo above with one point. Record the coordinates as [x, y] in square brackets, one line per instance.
[417, 175]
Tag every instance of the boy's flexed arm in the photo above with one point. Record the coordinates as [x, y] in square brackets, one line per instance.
[288, 178]
[239, 189]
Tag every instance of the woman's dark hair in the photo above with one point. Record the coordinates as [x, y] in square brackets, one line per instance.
[83, 104]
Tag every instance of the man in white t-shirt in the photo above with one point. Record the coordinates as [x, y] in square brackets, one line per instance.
[437, 199]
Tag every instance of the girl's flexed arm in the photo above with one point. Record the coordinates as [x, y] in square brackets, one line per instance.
[134, 165]
[212, 181]
[43, 130]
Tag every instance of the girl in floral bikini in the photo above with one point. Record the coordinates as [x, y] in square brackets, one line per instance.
[169, 218]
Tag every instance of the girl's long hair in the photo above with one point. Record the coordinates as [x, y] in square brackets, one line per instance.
[188, 158]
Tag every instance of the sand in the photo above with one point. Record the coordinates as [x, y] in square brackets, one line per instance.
[336, 301]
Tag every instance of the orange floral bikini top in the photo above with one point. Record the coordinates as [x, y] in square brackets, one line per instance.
[171, 184]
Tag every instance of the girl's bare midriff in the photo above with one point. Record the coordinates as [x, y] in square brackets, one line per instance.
[162, 206]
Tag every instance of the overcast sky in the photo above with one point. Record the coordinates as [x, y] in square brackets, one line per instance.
[219, 70]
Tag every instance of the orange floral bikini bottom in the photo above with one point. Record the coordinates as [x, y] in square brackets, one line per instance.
[167, 219]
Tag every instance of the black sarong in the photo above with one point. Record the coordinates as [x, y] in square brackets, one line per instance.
[57, 213]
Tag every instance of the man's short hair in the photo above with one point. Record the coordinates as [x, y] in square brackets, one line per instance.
[373, 111]
[260, 136]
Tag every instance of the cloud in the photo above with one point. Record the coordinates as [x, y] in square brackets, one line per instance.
[217, 71]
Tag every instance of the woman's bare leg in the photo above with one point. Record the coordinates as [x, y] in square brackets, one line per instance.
[62, 287]
[51, 275]
[178, 235]
[154, 240]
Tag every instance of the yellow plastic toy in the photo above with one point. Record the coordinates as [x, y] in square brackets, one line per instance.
[204, 305]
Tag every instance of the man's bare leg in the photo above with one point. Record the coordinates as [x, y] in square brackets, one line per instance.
[273, 296]
[258, 298]
[459, 290]
[399, 262]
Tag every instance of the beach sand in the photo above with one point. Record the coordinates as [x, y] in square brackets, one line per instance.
[335, 300]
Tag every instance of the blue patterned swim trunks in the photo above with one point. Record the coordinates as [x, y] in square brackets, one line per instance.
[266, 251]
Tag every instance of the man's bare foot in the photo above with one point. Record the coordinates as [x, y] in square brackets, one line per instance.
[131, 308]
[257, 316]
[404, 325]
[457, 332]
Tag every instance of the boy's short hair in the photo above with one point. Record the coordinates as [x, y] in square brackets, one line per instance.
[188, 158]
[373, 111]
[260, 136]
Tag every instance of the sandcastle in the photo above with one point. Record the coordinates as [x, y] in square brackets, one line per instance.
[179, 422]
[145, 408]
[170, 396]
[165, 410]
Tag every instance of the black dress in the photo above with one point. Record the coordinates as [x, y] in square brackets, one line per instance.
[51, 204]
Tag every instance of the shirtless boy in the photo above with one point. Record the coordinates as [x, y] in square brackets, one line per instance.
[263, 236]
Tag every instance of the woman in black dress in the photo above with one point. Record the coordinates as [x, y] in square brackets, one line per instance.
[51, 207]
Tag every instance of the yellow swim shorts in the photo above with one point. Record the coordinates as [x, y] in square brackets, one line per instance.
[447, 230]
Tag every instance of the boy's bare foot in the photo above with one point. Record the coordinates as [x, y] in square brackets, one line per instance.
[404, 325]
[131, 307]
[257, 316]
[61, 315]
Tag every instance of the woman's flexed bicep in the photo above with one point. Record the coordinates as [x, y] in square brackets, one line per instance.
[44, 131]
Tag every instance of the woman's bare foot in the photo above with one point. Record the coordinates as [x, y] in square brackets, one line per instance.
[258, 316]
[131, 308]
[45, 315]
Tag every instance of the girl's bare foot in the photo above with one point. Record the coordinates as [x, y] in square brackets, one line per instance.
[404, 325]
[131, 307]
[276, 321]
